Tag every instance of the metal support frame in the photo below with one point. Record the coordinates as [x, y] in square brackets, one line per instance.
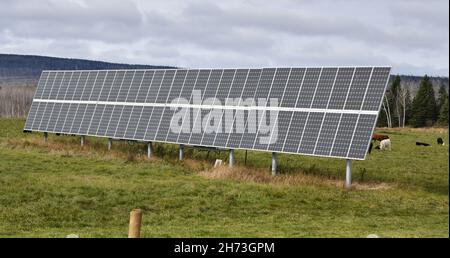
[149, 150]
[274, 163]
[109, 143]
[348, 174]
[231, 158]
[181, 153]
[82, 140]
[45, 137]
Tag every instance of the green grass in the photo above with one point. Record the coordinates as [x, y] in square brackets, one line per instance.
[57, 189]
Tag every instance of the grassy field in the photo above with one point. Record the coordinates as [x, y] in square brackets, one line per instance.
[59, 188]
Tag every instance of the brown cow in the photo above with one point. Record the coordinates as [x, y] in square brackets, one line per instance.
[379, 137]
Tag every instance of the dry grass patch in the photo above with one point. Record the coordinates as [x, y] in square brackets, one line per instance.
[243, 174]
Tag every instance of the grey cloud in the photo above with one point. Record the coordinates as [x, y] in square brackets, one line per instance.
[410, 35]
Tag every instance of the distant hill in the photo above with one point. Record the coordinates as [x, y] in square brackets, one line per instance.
[19, 70]
[26, 69]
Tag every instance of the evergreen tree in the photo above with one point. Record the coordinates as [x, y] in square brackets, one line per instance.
[442, 95]
[424, 105]
[443, 114]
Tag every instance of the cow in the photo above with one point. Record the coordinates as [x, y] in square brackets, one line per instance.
[379, 137]
[385, 144]
[440, 141]
[422, 144]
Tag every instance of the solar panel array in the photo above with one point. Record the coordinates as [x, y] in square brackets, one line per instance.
[328, 111]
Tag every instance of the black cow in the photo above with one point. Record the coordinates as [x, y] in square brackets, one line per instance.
[440, 141]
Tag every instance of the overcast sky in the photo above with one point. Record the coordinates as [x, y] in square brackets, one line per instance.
[410, 35]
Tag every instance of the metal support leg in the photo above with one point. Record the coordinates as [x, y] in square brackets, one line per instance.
[45, 137]
[231, 159]
[109, 143]
[82, 140]
[181, 154]
[149, 150]
[274, 163]
[348, 174]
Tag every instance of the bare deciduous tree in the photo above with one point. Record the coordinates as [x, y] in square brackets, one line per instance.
[15, 101]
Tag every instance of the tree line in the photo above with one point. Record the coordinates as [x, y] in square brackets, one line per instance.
[399, 109]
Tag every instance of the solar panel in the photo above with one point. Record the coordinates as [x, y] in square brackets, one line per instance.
[320, 111]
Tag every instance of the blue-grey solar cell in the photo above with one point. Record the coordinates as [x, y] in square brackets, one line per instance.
[74, 108]
[362, 136]
[53, 117]
[69, 118]
[341, 88]
[135, 85]
[104, 120]
[133, 123]
[47, 85]
[96, 119]
[238, 128]
[64, 85]
[237, 87]
[378, 82]
[250, 130]
[87, 119]
[115, 87]
[189, 84]
[308, 88]
[166, 85]
[114, 121]
[164, 124]
[310, 133]
[224, 128]
[211, 88]
[88, 88]
[143, 122]
[193, 116]
[150, 92]
[293, 87]
[198, 126]
[31, 116]
[224, 86]
[56, 84]
[295, 131]
[264, 86]
[73, 84]
[324, 88]
[280, 130]
[61, 117]
[358, 88]
[123, 122]
[46, 108]
[125, 86]
[344, 135]
[153, 123]
[41, 84]
[246, 122]
[177, 86]
[106, 85]
[97, 87]
[144, 87]
[78, 118]
[327, 133]
[279, 85]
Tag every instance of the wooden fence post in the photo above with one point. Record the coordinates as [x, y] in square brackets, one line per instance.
[134, 230]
